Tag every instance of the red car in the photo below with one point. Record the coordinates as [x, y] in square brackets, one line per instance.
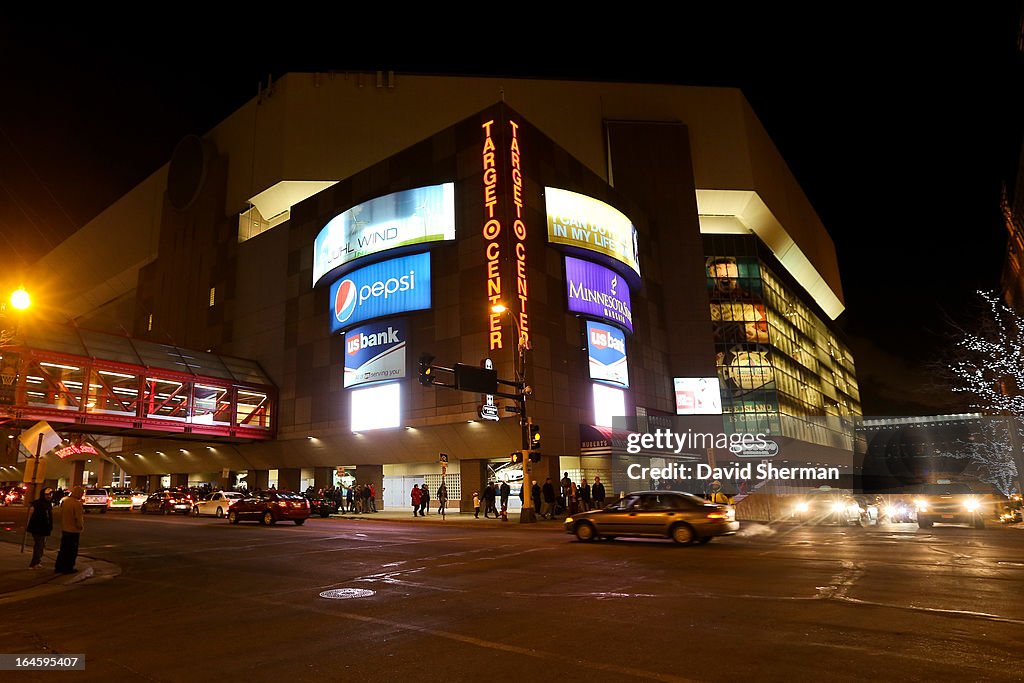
[270, 507]
[166, 502]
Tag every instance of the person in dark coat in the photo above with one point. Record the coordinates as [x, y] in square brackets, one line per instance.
[40, 525]
[424, 500]
[535, 492]
[549, 499]
[597, 493]
[72, 524]
[504, 491]
[489, 502]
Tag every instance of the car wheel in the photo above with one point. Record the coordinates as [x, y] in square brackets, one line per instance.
[220, 513]
[233, 517]
[299, 522]
[585, 532]
[267, 519]
[924, 523]
[704, 540]
[325, 514]
[195, 511]
[682, 534]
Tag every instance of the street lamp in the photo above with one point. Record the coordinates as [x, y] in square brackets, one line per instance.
[527, 515]
[20, 299]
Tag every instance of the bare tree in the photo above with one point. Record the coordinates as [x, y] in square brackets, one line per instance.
[991, 450]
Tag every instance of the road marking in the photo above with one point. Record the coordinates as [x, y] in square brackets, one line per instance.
[347, 593]
[841, 582]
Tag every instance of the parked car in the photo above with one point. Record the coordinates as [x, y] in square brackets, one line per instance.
[323, 506]
[168, 501]
[826, 505]
[216, 504]
[270, 507]
[96, 499]
[683, 517]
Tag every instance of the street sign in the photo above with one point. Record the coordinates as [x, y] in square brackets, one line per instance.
[35, 471]
[489, 412]
[444, 458]
[30, 438]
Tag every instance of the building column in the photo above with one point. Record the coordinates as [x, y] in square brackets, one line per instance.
[258, 480]
[77, 473]
[472, 477]
[104, 471]
[372, 474]
[154, 483]
[323, 477]
[289, 479]
[226, 479]
[179, 479]
[140, 481]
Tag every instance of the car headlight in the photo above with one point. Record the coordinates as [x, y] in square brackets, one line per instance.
[568, 520]
[838, 507]
[802, 507]
[971, 505]
[890, 510]
[922, 506]
[855, 508]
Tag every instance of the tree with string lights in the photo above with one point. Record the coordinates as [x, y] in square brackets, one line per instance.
[988, 366]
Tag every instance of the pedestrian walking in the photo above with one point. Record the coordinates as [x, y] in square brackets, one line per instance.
[547, 510]
[536, 500]
[424, 500]
[416, 496]
[505, 491]
[489, 501]
[72, 524]
[442, 499]
[476, 505]
[584, 491]
[40, 525]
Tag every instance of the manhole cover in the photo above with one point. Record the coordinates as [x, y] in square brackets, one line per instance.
[346, 593]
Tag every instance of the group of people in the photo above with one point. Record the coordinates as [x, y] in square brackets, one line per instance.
[72, 521]
[420, 496]
[493, 493]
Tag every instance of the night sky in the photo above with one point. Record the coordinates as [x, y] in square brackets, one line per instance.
[901, 127]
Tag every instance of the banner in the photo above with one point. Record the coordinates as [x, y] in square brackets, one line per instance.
[606, 347]
[597, 291]
[385, 288]
[375, 352]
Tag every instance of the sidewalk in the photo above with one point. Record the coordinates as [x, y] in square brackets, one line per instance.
[459, 519]
[18, 582]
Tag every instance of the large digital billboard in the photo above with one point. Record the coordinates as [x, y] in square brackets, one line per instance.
[375, 352]
[378, 407]
[597, 291]
[606, 346]
[424, 214]
[577, 220]
[698, 396]
[385, 288]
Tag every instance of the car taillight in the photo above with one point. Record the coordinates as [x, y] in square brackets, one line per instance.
[717, 515]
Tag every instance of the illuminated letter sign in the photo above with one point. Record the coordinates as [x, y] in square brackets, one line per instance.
[385, 288]
[424, 214]
[519, 231]
[606, 346]
[576, 220]
[491, 232]
[597, 291]
[375, 352]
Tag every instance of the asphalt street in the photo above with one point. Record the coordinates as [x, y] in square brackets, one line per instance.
[355, 600]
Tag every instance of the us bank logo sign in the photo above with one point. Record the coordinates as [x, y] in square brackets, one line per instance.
[375, 352]
[606, 346]
[386, 288]
[597, 291]
[424, 214]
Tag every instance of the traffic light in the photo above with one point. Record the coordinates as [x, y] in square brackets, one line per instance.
[534, 437]
[534, 456]
[426, 369]
[517, 457]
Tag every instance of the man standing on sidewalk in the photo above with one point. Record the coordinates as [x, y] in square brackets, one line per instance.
[72, 524]
[415, 494]
[505, 490]
[597, 492]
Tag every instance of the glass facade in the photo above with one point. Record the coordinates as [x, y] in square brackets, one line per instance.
[774, 355]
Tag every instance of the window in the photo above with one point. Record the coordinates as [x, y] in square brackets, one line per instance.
[213, 296]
